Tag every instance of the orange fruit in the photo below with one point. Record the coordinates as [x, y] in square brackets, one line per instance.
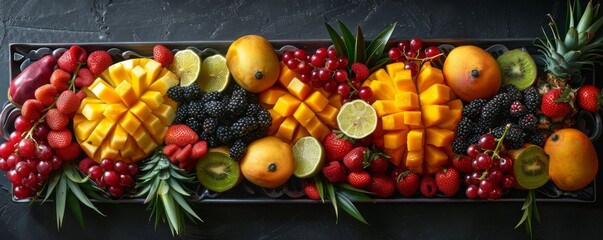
[472, 73]
[573, 160]
[268, 163]
[253, 63]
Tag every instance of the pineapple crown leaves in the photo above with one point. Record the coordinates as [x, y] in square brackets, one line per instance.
[567, 54]
[166, 193]
[355, 49]
[342, 196]
[567, 96]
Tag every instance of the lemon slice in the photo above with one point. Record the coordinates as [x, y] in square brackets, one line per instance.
[186, 65]
[357, 119]
[309, 157]
[214, 74]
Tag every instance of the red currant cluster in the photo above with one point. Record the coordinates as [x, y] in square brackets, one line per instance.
[411, 53]
[325, 69]
[491, 169]
[29, 161]
[116, 177]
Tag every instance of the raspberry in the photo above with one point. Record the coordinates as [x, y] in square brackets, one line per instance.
[361, 71]
[311, 191]
[333, 171]
[85, 164]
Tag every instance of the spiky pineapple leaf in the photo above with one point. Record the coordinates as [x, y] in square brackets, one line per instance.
[60, 200]
[320, 188]
[76, 209]
[52, 183]
[349, 207]
[333, 198]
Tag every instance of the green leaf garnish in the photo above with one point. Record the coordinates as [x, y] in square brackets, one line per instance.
[336, 39]
[349, 207]
[360, 51]
[349, 41]
[529, 211]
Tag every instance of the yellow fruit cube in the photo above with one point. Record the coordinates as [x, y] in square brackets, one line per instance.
[130, 64]
[303, 114]
[94, 111]
[436, 94]
[152, 99]
[382, 76]
[381, 90]
[277, 120]
[396, 156]
[115, 111]
[317, 129]
[414, 159]
[439, 137]
[316, 101]
[285, 76]
[118, 74]
[455, 104]
[300, 133]
[299, 89]
[271, 95]
[88, 148]
[335, 101]
[454, 116]
[84, 129]
[325, 93]
[395, 139]
[158, 137]
[393, 121]
[287, 128]
[165, 113]
[141, 110]
[106, 93]
[403, 82]
[86, 101]
[412, 118]
[435, 157]
[434, 114]
[153, 69]
[164, 83]
[286, 105]
[329, 116]
[152, 124]
[144, 141]
[126, 93]
[394, 68]
[100, 133]
[78, 118]
[129, 148]
[429, 76]
[406, 101]
[130, 123]
[414, 141]
[384, 107]
[118, 140]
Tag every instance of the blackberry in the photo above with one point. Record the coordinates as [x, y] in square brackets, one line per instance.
[253, 110]
[264, 118]
[492, 110]
[225, 135]
[195, 108]
[517, 109]
[243, 126]
[214, 109]
[181, 114]
[464, 127]
[176, 93]
[515, 138]
[192, 122]
[512, 91]
[474, 138]
[531, 99]
[498, 132]
[212, 140]
[459, 146]
[192, 92]
[474, 108]
[210, 125]
[211, 96]
[237, 150]
[255, 134]
[527, 122]
[237, 104]
[536, 138]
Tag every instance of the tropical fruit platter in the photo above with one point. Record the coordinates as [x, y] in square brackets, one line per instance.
[340, 121]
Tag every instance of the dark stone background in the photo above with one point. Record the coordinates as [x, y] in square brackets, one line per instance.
[139, 21]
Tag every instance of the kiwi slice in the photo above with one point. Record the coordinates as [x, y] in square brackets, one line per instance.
[517, 68]
[216, 171]
[531, 167]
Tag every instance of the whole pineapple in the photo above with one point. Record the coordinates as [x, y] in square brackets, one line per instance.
[566, 54]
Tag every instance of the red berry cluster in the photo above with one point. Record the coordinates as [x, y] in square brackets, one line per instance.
[183, 147]
[446, 181]
[325, 69]
[488, 169]
[115, 177]
[413, 55]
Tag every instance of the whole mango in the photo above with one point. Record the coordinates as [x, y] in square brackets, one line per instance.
[253, 63]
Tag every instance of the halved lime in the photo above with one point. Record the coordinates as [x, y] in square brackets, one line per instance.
[186, 65]
[214, 74]
[357, 119]
[309, 157]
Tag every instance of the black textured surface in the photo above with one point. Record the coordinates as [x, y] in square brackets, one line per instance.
[100, 21]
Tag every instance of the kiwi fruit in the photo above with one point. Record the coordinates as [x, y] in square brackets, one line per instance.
[216, 171]
[531, 167]
[518, 68]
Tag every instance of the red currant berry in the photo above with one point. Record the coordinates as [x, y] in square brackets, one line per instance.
[21, 192]
[43, 152]
[416, 44]
[22, 124]
[487, 142]
[471, 191]
[508, 182]
[44, 167]
[410, 54]
[116, 190]
[343, 89]
[132, 169]
[106, 164]
[292, 63]
[317, 60]
[24, 168]
[495, 175]
[506, 163]
[56, 162]
[110, 177]
[330, 86]
[300, 54]
[332, 53]
[6, 149]
[413, 67]
[4, 165]
[316, 84]
[404, 46]
[484, 161]
[495, 193]
[365, 93]
[486, 185]
[343, 63]
[95, 172]
[15, 137]
[303, 67]
[120, 167]
[304, 77]
[27, 147]
[324, 74]
[287, 56]
[332, 64]
[473, 150]
[322, 52]
[14, 177]
[41, 132]
[341, 75]
[432, 52]
[314, 75]
[394, 53]
[125, 180]
[13, 159]
[356, 83]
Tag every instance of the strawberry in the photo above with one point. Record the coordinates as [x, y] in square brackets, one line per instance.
[56, 120]
[359, 179]
[80, 95]
[181, 135]
[60, 79]
[355, 159]
[69, 153]
[336, 147]
[31, 109]
[311, 191]
[383, 186]
[46, 93]
[184, 154]
[462, 163]
[99, 61]
[78, 53]
[199, 150]
[169, 150]
[59, 139]
[333, 171]
[163, 55]
[361, 71]
[379, 165]
[448, 181]
[67, 102]
[429, 187]
[84, 78]
[556, 104]
[67, 62]
[85, 164]
[407, 183]
[589, 98]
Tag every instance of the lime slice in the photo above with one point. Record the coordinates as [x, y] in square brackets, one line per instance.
[186, 65]
[357, 119]
[309, 157]
[214, 74]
